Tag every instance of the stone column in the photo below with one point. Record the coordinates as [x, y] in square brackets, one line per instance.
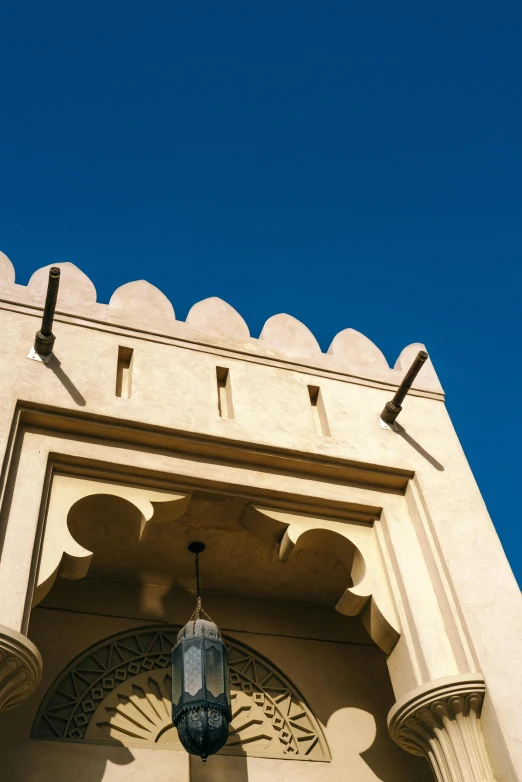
[441, 722]
[20, 668]
[20, 660]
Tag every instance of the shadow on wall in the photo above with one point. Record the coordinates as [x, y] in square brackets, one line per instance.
[418, 447]
[42, 761]
[55, 365]
[219, 768]
[346, 685]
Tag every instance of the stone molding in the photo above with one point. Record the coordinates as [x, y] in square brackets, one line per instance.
[440, 721]
[20, 668]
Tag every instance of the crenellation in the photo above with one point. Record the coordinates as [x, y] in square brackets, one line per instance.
[215, 316]
[289, 336]
[76, 289]
[143, 307]
[141, 300]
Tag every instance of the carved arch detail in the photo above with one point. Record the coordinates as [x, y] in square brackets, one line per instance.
[61, 554]
[119, 692]
[352, 543]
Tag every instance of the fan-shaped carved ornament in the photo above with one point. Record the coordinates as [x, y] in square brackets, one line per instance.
[119, 692]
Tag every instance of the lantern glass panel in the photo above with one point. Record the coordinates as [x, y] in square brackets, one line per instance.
[192, 669]
[214, 671]
[176, 676]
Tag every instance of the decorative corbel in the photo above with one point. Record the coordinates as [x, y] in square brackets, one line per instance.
[355, 545]
[62, 555]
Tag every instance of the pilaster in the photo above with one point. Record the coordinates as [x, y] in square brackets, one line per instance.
[20, 668]
[441, 722]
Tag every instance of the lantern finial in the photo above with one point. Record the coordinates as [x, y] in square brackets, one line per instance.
[200, 680]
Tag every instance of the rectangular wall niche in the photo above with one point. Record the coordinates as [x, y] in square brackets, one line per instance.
[318, 411]
[224, 391]
[124, 372]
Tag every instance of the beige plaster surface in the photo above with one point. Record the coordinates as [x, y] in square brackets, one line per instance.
[457, 603]
[352, 707]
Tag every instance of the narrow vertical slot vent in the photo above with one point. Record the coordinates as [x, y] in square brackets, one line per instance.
[124, 372]
[319, 412]
[224, 390]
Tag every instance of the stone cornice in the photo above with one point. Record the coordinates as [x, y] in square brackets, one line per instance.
[111, 430]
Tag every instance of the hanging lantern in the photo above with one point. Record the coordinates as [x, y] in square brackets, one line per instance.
[200, 681]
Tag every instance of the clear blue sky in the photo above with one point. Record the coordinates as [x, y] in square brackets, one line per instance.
[353, 164]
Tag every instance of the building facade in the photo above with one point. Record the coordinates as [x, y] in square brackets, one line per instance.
[372, 620]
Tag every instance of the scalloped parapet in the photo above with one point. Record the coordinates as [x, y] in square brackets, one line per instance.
[427, 377]
[351, 347]
[289, 336]
[75, 287]
[143, 300]
[215, 316]
[283, 337]
[7, 272]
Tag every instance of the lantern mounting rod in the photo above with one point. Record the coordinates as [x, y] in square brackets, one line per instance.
[200, 680]
[196, 548]
[392, 409]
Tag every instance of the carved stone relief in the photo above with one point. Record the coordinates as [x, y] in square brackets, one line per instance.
[20, 668]
[62, 554]
[441, 722]
[355, 545]
[119, 692]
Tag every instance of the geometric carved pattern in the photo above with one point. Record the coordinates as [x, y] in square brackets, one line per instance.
[119, 692]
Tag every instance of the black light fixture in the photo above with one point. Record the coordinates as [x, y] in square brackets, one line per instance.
[200, 681]
[392, 409]
[44, 338]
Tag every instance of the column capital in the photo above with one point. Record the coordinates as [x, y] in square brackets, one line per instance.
[20, 668]
[441, 721]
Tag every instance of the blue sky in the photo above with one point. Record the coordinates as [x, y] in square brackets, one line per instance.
[353, 164]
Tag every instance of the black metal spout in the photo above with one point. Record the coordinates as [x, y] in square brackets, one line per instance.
[392, 409]
[44, 339]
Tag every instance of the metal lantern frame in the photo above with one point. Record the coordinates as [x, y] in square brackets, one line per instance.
[200, 677]
[200, 681]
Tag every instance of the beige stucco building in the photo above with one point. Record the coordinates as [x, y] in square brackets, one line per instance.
[373, 622]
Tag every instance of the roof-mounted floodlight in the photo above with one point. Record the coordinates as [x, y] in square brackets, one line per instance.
[392, 409]
[44, 338]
